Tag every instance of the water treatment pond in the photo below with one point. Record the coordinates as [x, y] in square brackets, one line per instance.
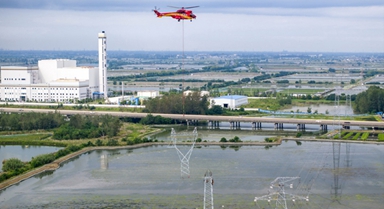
[333, 175]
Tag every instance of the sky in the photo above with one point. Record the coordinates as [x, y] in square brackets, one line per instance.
[221, 25]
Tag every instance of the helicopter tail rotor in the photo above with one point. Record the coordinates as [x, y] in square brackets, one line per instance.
[156, 11]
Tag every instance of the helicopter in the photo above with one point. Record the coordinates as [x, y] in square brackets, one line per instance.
[181, 14]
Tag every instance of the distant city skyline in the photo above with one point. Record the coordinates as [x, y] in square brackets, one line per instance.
[244, 25]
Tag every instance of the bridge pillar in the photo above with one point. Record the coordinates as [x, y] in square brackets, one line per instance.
[187, 122]
[231, 124]
[279, 126]
[323, 127]
[210, 123]
[300, 127]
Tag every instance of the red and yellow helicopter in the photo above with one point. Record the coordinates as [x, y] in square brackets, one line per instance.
[181, 14]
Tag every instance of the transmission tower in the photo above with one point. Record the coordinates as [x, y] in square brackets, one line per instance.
[277, 193]
[208, 190]
[336, 188]
[184, 158]
[337, 111]
[348, 103]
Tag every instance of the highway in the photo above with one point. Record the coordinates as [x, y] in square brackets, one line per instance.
[208, 117]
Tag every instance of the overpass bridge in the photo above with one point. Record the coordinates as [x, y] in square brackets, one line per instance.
[214, 120]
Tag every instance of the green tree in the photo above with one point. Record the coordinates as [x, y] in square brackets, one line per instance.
[370, 101]
[12, 164]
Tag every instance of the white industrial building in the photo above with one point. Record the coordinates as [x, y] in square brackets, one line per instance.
[57, 80]
[148, 94]
[202, 93]
[231, 101]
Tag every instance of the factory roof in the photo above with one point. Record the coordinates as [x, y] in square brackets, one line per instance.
[231, 97]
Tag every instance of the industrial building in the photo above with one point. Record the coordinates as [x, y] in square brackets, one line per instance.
[148, 94]
[230, 101]
[57, 80]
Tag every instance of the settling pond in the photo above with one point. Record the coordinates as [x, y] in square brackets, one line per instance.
[333, 175]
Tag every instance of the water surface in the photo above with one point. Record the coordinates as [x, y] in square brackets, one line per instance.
[23, 152]
[333, 175]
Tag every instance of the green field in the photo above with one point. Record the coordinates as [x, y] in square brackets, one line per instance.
[301, 91]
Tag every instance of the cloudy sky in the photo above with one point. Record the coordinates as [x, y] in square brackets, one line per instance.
[221, 25]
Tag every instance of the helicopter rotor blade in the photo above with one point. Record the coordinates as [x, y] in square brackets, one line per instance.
[175, 7]
[191, 7]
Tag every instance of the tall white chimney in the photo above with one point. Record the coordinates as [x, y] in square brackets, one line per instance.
[103, 88]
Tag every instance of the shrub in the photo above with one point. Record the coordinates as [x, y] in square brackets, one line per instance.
[235, 139]
[269, 139]
[223, 139]
[299, 134]
[73, 148]
[99, 143]
[12, 164]
[112, 142]
[198, 140]
[61, 153]
[42, 160]
[130, 142]
[88, 144]
[137, 140]
[146, 140]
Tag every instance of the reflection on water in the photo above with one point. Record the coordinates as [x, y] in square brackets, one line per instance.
[150, 178]
[104, 162]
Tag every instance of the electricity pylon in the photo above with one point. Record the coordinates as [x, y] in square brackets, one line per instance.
[279, 195]
[208, 190]
[184, 158]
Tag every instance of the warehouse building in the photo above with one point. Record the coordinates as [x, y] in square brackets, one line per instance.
[230, 101]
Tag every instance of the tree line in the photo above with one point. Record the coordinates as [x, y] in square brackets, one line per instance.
[178, 104]
[30, 121]
[85, 127]
[77, 127]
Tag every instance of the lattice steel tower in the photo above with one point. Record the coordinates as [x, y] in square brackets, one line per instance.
[278, 194]
[184, 158]
[208, 190]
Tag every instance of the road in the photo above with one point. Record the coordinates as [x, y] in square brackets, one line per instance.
[209, 117]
